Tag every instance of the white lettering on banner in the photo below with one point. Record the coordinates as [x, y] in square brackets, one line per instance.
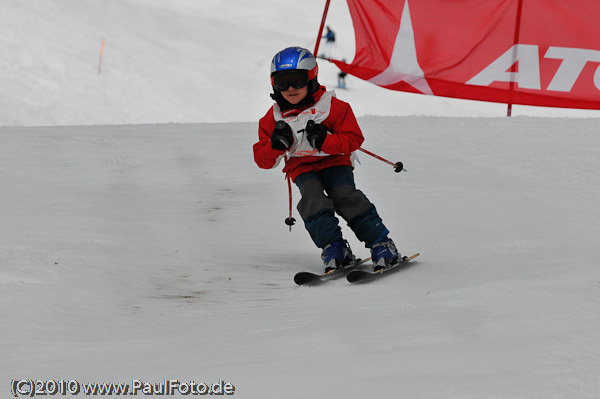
[574, 59]
[528, 74]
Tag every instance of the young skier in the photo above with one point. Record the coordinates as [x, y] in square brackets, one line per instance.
[317, 133]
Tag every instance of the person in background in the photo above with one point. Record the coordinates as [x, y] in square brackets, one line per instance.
[342, 78]
[329, 42]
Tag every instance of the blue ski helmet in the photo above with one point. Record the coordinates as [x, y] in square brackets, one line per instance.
[293, 58]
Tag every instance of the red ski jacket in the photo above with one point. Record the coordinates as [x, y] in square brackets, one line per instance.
[344, 136]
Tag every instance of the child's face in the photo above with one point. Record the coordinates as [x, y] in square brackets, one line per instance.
[294, 96]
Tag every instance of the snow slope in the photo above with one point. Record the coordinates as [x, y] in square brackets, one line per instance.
[159, 251]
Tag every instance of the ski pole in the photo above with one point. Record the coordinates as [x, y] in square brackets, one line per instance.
[398, 166]
[290, 221]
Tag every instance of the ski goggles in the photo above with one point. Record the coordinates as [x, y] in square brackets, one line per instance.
[296, 78]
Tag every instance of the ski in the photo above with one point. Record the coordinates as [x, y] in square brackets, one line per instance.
[358, 276]
[309, 278]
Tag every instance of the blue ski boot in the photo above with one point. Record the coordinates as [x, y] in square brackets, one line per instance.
[384, 254]
[337, 255]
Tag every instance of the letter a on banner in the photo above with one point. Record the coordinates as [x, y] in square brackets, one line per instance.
[527, 76]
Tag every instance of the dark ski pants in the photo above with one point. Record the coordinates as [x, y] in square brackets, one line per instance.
[330, 191]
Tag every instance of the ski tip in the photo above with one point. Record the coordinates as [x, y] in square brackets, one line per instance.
[304, 278]
[358, 275]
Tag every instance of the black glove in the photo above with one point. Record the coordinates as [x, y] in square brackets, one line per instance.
[315, 134]
[282, 138]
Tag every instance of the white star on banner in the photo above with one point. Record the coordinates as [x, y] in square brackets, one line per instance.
[403, 64]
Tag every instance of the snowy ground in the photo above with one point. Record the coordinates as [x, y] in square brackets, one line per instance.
[134, 248]
[159, 251]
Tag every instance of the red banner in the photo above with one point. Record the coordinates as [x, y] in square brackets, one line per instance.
[531, 52]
